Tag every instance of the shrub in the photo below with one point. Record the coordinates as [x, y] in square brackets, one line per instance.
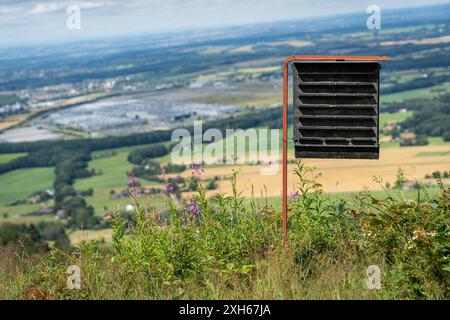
[412, 236]
[53, 231]
[24, 239]
[174, 168]
[138, 156]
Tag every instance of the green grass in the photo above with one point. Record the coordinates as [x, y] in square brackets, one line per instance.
[102, 202]
[432, 192]
[18, 184]
[6, 157]
[16, 211]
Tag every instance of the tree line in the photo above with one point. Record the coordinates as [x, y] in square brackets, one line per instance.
[432, 118]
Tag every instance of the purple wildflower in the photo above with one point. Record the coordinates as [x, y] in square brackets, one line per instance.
[133, 182]
[194, 209]
[293, 195]
[197, 169]
[168, 188]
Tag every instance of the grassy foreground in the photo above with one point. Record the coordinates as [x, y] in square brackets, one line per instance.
[230, 248]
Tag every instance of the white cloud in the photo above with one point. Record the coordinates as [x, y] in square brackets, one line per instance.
[11, 9]
[93, 5]
[41, 8]
[49, 7]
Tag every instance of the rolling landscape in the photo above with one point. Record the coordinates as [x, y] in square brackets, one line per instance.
[85, 135]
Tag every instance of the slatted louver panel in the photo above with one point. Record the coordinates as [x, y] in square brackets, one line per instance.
[336, 106]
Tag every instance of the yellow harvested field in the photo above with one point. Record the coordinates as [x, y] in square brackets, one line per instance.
[386, 139]
[9, 122]
[339, 175]
[260, 70]
[437, 40]
[90, 235]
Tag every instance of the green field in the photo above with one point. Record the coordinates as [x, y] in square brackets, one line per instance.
[17, 214]
[4, 158]
[396, 116]
[18, 184]
[114, 177]
[114, 170]
[423, 93]
[414, 74]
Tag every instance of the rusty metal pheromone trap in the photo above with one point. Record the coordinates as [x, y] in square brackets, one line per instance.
[336, 109]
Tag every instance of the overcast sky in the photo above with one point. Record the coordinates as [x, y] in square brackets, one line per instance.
[25, 21]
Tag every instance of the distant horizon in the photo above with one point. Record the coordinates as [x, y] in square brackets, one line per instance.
[46, 34]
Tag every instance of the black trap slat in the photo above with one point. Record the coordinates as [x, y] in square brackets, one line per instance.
[334, 88]
[335, 94]
[341, 77]
[338, 122]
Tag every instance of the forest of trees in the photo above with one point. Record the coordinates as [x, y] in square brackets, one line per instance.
[431, 118]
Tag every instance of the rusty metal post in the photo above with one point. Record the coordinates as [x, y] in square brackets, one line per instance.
[285, 125]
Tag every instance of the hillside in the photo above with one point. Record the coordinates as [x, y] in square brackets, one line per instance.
[89, 177]
[226, 248]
